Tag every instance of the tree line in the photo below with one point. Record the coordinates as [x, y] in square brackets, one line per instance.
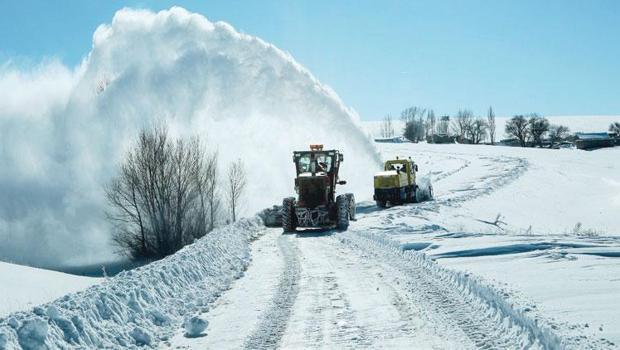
[167, 194]
[464, 127]
[532, 129]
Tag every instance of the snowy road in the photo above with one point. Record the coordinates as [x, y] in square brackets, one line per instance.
[357, 290]
[314, 290]
[364, 288]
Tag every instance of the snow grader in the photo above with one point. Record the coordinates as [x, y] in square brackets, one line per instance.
[397, 184]
[317, 205]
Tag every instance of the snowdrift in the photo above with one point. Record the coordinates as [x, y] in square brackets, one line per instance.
[63, 132]
[141, 306]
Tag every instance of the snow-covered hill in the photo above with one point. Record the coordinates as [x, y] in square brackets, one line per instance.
[23, 287]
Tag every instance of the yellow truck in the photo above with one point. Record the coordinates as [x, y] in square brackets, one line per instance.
[396, 184]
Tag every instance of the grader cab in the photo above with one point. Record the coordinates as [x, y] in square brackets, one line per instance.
[317, 205]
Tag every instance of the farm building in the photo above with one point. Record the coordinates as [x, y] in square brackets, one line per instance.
[395, 139]
[594, 140]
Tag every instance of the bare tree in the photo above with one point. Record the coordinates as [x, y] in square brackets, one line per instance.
[557, 133]
[615, 128]
[412, 113]
[156, 203]
[207, 182]
[478, 131]
[430, 124]
[462, 124]
[236, 185]
[414, 130]
[518, 127]
[387, 128]
[539, 126]
[491, 125]
[413, 118]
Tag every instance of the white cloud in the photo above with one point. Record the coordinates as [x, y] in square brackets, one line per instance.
[63, 135]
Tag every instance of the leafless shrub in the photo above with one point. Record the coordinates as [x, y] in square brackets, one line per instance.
[462, 124]
[491, 124]
[477, 131]
[539, 126]
[387, 127]
[558, 133]
[236, 182]
[413, 117]
[518, 127]
[160, 200]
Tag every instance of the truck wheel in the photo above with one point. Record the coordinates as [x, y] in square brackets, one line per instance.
[419, 195]
[352, 209]
[342, 215]
[289, 219]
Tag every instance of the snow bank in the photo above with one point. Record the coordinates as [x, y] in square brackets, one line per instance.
[141, 306]
[247, 98]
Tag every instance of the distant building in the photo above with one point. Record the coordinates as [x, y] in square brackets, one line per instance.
[441, 135]
[395, 139]
[594, 140]
[442, 125]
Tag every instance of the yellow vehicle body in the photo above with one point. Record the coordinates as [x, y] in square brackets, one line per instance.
[396, 183]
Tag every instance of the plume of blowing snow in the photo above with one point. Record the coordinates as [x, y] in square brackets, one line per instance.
[63, 132]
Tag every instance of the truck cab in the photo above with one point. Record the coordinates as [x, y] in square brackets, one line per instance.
[396, 184]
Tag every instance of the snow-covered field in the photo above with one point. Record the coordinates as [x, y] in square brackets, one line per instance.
[441, 274]
[559, 241]
[22, 287]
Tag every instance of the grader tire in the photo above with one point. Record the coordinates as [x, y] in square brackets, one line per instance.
[352, 209]
[342, 215]
[289, 219]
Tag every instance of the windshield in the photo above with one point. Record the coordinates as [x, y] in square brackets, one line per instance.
[322, 163]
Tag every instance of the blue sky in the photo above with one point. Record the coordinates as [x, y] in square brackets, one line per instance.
[551, 57]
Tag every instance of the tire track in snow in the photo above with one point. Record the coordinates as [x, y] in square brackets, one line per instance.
[347, 333]
[503, 171]
[451, 297]
[346, 301]
[274, 320]
[449, 173]
[324, 314]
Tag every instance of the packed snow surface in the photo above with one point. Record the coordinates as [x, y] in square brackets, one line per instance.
[63, 131]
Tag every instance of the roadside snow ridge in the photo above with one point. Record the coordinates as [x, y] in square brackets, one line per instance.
[142, 306]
